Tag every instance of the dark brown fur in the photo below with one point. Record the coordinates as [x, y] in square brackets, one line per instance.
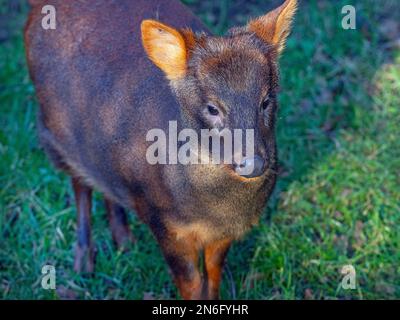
[99, 94]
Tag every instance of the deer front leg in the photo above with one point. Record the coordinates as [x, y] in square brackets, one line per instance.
[84, 252]
[182, 257]
[214, 258]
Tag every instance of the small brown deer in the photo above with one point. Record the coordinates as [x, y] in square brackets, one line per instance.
[109, 73]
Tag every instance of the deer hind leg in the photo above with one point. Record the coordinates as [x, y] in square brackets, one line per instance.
[118, 222]
[214, 258]
[84, 251]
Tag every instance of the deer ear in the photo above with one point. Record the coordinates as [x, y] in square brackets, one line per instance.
[166, 47]
[274, 27]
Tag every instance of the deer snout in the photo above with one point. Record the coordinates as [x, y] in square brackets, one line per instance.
[251, 167]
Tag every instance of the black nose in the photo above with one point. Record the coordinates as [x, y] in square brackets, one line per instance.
[251, 167]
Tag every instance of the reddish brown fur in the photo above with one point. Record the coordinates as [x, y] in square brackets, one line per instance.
[99, 94]
[84, 251]
[35, 2]
[275, 26]
[214, 257]
[155, 37]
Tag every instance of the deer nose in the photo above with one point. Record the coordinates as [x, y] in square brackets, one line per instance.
[251, 167]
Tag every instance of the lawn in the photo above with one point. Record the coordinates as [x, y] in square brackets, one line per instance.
[337, 201]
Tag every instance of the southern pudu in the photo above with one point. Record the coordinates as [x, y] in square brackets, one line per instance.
[113, 70]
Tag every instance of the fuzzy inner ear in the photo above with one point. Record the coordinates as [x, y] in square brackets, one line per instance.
[274, 27]
[166, 47]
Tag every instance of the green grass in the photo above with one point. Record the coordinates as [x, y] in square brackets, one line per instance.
[337, 201]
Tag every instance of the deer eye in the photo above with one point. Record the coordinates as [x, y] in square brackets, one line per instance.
[212, 110]
[266, 103]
